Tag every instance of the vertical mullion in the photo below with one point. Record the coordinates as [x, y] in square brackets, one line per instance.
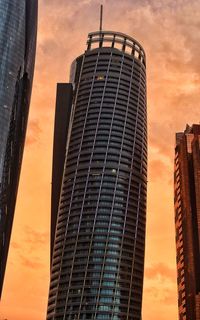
[92, 153]
[105, 161]
[74, 183]
[138, 204]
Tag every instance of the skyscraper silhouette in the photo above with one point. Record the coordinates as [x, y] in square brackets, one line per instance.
[187, 219]
[18, 25]
[99, 183]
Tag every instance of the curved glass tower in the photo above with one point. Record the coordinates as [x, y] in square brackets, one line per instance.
[18, 25]
[98, 253]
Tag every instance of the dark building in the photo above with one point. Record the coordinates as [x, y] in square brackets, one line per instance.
[62, 117]
[187, 219]
[99, 184]
[18, 26]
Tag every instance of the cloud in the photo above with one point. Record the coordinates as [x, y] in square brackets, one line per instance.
[34, 237]
[28, 246]
[14, 245]
[33, 263]
[33, 132]
[158, 170]
[166, 296]
[161, 271]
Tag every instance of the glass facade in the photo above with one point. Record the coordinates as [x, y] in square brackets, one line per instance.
[18, 26]
[98, 254]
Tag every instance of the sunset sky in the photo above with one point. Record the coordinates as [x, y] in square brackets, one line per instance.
[169, 31]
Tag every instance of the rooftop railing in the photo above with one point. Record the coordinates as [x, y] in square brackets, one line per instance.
[118, 41]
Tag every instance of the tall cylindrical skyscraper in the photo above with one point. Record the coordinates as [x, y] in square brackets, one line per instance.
[98, 252]
[18, 29]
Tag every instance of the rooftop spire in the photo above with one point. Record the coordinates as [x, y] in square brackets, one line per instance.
[101, 18]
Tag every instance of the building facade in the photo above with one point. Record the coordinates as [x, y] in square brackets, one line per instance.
[99, 215]
[187, 221]
[18, 25]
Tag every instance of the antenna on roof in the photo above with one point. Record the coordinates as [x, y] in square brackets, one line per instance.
[101, 18]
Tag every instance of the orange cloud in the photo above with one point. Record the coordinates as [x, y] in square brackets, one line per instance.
[160, 270]
[33, 132]
[30, 263]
